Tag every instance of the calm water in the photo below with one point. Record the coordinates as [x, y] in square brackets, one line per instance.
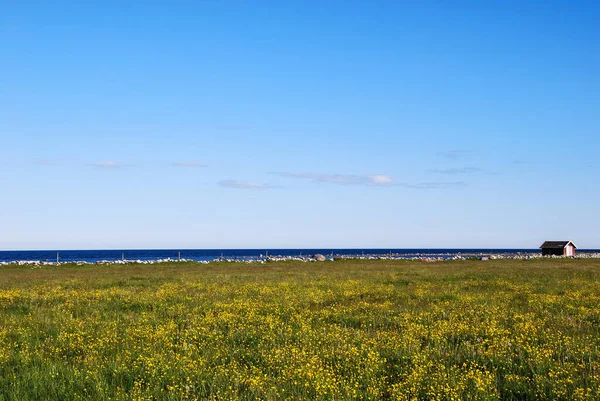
[241, 254]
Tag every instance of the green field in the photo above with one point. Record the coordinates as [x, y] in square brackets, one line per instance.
[364, 330]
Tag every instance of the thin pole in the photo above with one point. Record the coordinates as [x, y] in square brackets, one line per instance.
[123, 256]
[179, 255]
[57, 258]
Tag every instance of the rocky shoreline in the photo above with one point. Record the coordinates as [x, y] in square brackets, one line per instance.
[313, 258]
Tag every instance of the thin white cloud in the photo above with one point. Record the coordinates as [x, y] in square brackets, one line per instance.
[188, 164]
[436, 185]
[236, 184]
[107, 164]
[380, 179]
[343, 179]
[462, 170]
[44, 162]
[455, 154]
[370, 180]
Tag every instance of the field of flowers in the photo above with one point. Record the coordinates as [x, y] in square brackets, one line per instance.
[344, 330]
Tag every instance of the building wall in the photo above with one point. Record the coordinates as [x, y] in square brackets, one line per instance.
[569, 250]
[553, 251]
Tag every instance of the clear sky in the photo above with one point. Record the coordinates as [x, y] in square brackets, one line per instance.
[266, 124]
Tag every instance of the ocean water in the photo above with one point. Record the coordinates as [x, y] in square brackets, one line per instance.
[92, 256]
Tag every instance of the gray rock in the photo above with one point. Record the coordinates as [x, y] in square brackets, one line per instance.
[319, 257]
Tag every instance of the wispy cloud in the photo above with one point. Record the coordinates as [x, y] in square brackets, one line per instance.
[189, 164]
[436, 185]
[463, 170]
[455, 154]
[343, 179]
[370, 180]
[107, 165]
[245, 185]
[44, 162]
[380, 179]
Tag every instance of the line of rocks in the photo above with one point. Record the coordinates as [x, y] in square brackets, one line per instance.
[313, 258]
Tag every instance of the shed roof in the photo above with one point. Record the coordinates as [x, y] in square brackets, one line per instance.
[556, 244]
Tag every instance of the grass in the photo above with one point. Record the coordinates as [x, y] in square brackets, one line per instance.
[364, 330]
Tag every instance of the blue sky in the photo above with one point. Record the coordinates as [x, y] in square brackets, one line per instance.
[266, 124]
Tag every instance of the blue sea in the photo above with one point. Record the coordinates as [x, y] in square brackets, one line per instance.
[92, 256]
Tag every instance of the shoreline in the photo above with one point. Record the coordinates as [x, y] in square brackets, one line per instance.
[308, 259]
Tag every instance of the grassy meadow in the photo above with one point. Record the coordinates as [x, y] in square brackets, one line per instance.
[344, 330]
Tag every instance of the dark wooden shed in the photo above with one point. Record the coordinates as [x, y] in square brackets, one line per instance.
[558, 248]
